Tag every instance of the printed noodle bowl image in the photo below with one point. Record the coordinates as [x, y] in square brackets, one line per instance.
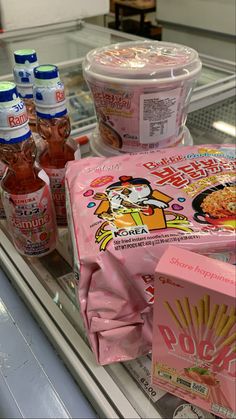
[221, 203]
[109, 135]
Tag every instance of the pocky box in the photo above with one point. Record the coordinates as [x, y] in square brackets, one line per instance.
[194, 330]
[124, 211]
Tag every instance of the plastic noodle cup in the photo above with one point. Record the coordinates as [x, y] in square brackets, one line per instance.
[141, 92]
[100, 149]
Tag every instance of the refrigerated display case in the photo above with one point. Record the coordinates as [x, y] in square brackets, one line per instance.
[208, 25]
[46, 284]
[66, 45]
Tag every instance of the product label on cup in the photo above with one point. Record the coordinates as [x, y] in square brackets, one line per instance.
[158, 113]
[31, 221]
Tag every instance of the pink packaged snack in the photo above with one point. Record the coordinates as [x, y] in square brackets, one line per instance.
[123, 213]
[194, 330]
[141, 91]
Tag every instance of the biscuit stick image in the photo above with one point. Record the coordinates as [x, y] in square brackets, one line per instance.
[222, 310]
[201, 315]
[189, 318]
[215, 323]
[171, 311]
[206, 307]
[181, 314]
[211, 322]
[231, 322]
[227, 342]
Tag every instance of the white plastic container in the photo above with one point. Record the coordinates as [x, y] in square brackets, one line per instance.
[141, 92]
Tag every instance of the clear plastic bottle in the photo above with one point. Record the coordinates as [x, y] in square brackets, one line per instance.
[26, 195]
[25, 62]
[53, 125]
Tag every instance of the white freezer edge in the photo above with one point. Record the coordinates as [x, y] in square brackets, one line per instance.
[211, 15]
[30, 13]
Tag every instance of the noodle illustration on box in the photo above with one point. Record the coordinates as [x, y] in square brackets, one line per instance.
[194, 352]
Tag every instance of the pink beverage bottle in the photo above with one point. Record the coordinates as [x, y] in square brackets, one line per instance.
[53, 125]
[25, 193]
[25, 62]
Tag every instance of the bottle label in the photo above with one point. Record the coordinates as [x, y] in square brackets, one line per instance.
[57, 183]
[13, 114]
[15, 136]
[14, 122]
[31, 221]
[25, 92]
[24, 75]
[50, 101]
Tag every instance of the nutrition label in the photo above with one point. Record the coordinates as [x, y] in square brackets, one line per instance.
[158, 113]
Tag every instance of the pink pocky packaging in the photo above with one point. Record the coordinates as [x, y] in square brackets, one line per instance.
[194, 330]
[123, 213]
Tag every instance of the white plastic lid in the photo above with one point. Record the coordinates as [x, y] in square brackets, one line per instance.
[143, 60]
[100, 149]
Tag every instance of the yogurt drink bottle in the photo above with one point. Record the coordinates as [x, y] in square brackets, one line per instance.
[25, 62]
[53, 125]
[25, 187]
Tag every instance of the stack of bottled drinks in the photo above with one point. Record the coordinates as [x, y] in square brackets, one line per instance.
[35, 146]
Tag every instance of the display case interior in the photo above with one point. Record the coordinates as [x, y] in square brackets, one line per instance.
[47, 284]
[67, 45]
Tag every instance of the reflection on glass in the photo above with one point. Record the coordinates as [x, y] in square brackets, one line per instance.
[225, 128]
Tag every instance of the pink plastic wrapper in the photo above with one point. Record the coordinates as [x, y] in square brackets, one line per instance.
[123, 213]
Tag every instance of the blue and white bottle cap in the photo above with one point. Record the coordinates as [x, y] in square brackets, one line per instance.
[49, 92]
[25, 62]
[46, 72]
[23, 56]
[8, 91]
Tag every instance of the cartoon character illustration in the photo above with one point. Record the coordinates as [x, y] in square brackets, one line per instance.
[132, 201]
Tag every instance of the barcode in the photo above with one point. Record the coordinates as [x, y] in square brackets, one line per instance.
[183, 382]
[198, 388]
[228, 413]
[165, 375]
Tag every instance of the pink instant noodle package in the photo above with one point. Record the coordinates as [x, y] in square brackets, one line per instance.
[194, 330]
[123, 213]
